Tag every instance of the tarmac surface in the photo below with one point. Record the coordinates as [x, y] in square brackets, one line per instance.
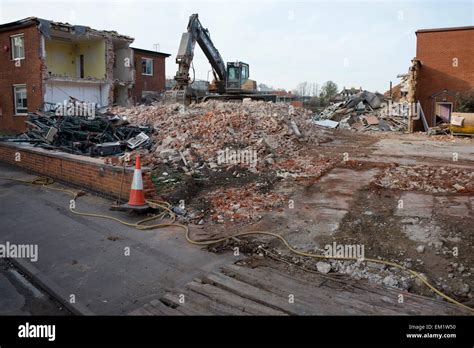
[93, 266]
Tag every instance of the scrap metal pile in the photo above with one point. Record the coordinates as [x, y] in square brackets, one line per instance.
[365, 111]
[219, 135]
[101, 135]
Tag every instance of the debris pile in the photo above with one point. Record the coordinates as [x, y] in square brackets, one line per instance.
[243, 204]
[226, 150]
[101, 135]
[365, 111]
[218, 135]
[426, 178]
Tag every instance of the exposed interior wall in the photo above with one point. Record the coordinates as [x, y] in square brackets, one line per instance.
[121, 71]
[123, 66]
[62, 57]
[121, 95]
[59, 91]
[94, 58]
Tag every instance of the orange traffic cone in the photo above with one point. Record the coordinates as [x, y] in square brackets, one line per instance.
[137, 195]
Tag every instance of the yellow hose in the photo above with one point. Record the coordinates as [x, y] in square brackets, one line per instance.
[44, 181]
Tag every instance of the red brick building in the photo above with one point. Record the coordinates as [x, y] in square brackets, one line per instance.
[150, 73]
[445, 59]
[21, 87]
[43, 63]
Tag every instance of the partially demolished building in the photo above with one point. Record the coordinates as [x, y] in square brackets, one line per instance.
[440, 71]
[49, 62]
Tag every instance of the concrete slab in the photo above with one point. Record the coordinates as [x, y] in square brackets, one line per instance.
[456, 206]
[424, 148]
[324, 204]
[415, 204]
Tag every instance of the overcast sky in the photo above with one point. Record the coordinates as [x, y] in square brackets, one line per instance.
[353, 43]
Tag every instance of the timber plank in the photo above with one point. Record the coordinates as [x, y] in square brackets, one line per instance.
[320, 301]
[259, 295]
[233, 300]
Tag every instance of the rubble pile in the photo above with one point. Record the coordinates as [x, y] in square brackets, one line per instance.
[243, 204]
[101, 135]
[365, 111]
[426, 178]
[304, 166]
[218, 135]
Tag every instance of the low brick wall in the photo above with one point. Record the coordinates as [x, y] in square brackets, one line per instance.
[86, 172]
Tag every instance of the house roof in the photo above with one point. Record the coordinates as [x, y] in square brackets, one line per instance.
[45, 26]
[155, 53]
[444, 29]
[19, 24]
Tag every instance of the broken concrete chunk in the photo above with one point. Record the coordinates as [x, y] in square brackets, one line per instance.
[420, 249]
[327, 123]
[323, 267]
[390, 280]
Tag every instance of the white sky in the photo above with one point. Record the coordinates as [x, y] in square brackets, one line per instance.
[353, 43]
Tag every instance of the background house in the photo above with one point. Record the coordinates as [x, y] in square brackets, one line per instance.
[150, 77]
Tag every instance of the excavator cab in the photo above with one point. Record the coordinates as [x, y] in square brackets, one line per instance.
[238, 78]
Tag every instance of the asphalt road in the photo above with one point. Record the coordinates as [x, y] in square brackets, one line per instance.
[100, 265]
[20, 296]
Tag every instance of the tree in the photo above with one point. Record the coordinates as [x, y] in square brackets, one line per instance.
[465, 101]
[306, 89]
[314, 89]
[264, 88]
[329, 90]
[301, 89]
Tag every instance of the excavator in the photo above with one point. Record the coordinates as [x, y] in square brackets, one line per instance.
[231, 81]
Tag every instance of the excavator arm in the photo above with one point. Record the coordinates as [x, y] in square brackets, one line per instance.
[236, 85]
[196, 33]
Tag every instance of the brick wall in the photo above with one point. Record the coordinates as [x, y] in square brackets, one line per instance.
[28, 73]
[85, 172]
[154, 83]
[436, 51]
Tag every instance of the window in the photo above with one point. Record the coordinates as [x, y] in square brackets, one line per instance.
[19, 93]
[245, 72]
[147, 66]
[233, 73]
[18, 46]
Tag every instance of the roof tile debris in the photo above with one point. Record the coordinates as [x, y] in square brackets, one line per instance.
[365, 111]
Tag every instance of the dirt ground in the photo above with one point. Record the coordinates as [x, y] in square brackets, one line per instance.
[359, 198]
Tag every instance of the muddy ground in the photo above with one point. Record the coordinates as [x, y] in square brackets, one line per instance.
[429, 232]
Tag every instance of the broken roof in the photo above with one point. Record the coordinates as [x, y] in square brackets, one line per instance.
[156, 53]
[46, 25]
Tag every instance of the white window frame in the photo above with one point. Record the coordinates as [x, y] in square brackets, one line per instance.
[147, 59]
[14, 99]
[12, 44]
